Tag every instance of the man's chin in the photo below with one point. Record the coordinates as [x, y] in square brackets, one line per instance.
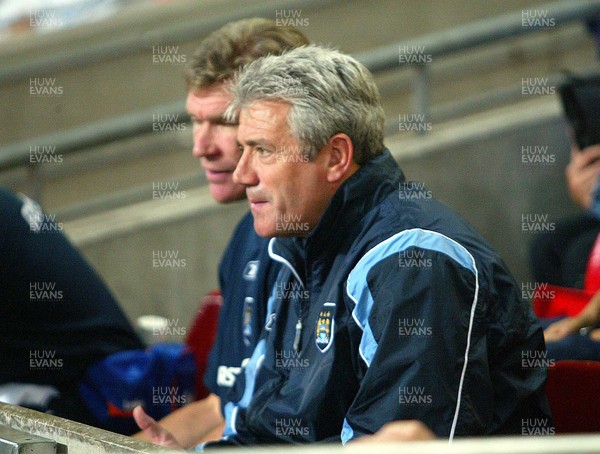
[226, 194]
[270, 232]
[264, 231]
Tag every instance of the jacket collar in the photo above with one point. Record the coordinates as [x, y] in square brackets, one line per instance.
[366, 188]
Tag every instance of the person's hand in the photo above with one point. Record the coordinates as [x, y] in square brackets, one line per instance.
[562, 328]
[589, 316]
[412, 430]
[158, 434]
[582, 174]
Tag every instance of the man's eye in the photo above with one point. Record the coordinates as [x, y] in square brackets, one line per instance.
[240, 148]
[224, 122]
[262, 151]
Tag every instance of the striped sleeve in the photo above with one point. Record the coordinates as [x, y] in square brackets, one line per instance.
[415, 300]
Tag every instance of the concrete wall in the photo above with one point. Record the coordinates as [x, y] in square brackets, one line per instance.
[127, 84]
[477, 167]
[160, 257]
[135, 82]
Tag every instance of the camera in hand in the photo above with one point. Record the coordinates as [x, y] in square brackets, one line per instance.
[580, 98]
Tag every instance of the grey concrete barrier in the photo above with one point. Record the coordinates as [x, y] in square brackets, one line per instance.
[77, 438]
[16, 441]
[82, 439]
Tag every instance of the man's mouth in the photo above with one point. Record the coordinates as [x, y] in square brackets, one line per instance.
[218, 176]
[256, 204]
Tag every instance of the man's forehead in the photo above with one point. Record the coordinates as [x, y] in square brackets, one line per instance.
[211, 100]
[265, 112]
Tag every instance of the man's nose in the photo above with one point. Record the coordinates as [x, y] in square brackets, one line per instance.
[203, 140]
[244, 172]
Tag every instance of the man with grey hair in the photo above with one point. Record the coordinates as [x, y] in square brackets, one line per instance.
[245, 273]
[388, 306]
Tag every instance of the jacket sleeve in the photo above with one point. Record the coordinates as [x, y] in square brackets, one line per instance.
[422, 354]
[595, 208]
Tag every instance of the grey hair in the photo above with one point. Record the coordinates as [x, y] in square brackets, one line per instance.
[329, 93]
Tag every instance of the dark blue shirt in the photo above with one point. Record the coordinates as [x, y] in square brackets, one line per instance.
[246, 277]
[57, 317]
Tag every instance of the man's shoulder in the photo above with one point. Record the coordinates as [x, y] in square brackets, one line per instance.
[10, 203]
[400, 226]
[18, 211]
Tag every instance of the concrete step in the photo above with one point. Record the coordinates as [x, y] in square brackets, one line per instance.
[135, 82]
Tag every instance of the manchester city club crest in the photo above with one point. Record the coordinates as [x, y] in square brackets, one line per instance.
[325, 327]
[251, 270]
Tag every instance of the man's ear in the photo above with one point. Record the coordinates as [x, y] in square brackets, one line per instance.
[340, 164]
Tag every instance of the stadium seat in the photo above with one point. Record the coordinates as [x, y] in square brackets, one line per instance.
[554, 301]
[592, 271]
[201, 336]
[573, 391]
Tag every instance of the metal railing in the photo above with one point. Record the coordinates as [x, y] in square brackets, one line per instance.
[389, 57]
[134, 43]
[91, 135]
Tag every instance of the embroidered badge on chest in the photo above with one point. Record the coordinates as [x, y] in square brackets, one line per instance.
[251, 270]
[325, 327]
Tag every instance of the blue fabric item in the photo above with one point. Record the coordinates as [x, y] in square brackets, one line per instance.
[246, 276]
[160, 379]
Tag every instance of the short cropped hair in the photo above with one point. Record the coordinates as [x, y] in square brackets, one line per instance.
[236, 44]
[329, 93]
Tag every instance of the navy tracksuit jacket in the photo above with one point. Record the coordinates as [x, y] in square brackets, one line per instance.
[392, 308]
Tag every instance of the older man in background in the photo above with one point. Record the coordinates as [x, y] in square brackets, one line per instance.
[246, 274]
